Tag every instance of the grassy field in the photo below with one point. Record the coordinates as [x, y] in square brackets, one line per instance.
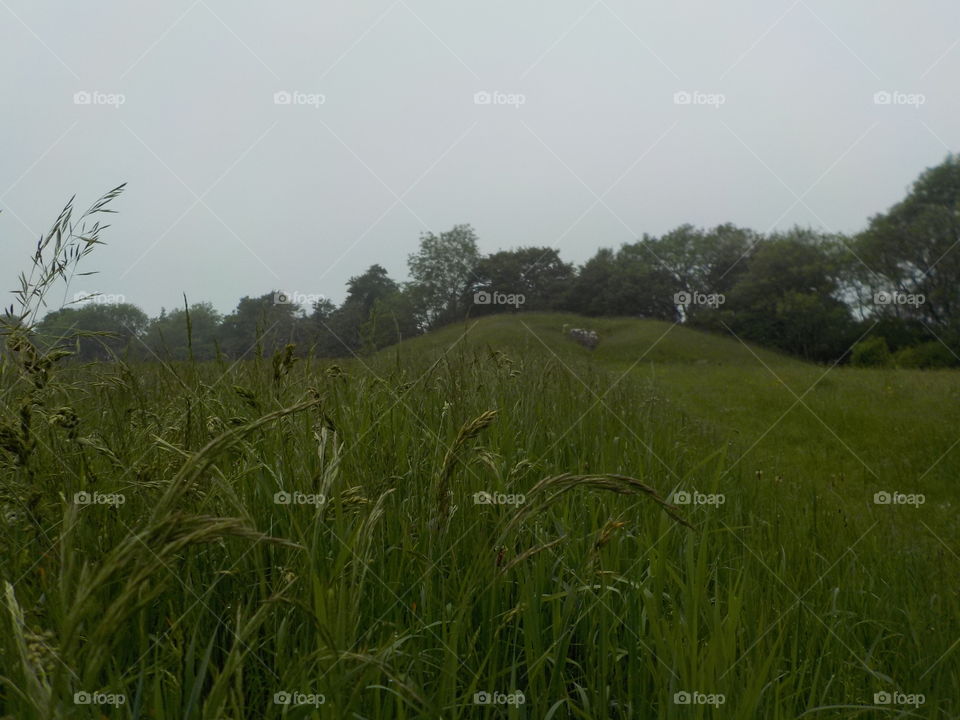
[488, 521]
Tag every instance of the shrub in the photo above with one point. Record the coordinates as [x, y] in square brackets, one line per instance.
[872, 352]
[933, 354]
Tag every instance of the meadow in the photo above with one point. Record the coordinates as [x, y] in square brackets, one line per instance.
[486, 521]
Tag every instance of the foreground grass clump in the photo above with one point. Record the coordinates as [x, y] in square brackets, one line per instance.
[474, 515]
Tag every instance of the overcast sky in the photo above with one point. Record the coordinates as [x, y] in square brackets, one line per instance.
[293, 144]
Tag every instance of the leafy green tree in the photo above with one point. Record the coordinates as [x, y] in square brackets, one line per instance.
[441, 273]
[536, 273]
[364, 291]
[375, 313]
[104, 330]
[393, 318]
[913, 249]
[788, 298]
[171, 335]
[629, 282]
[708, 262]
[262, 325]
[324, 333]
[644, 287]
[592, 291]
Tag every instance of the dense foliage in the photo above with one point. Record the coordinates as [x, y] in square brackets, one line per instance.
[811, 294]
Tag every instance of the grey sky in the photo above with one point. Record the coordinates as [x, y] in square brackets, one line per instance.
[231, 193]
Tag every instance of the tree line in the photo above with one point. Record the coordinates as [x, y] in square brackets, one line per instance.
[887, 295]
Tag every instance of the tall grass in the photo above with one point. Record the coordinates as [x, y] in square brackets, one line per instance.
[201, 597]
[314, 528]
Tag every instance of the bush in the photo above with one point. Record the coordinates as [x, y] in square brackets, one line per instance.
[933, 354]
[872, 352]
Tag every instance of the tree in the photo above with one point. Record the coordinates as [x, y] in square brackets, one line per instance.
[536, 273]
[392, 318]
[592, 291]
[912, 250]
[263, 325]
[442, 271]
[375, 313]
[323, 333]
[706, 262]
[171, 335]
[645, 287]
[629, 282]
[105, 329]
[787, 298]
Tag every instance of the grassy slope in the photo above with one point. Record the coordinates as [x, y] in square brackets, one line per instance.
[888, 429]
[400, 597]
[823, 439]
